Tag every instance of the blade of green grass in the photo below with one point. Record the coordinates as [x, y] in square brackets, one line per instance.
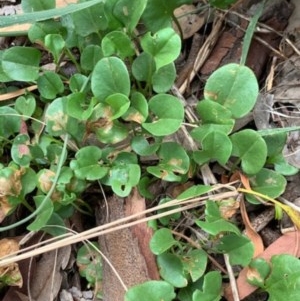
[46, 14]
[250, 32]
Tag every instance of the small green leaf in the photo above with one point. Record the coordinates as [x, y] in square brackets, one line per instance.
[239, 248]
[193, 192]
[90, 20]
[214, 223]
[89, 262]
[87, 165]
[118, 43]
[284, 280]
[158, 13]
[215, 146]
[119, 104]
[129, 12]
[154, 290]
[212, 288]
[250, 147]
[267, 182]
[21, 63]
[194, 262]
[55, 44]
[110, 76]
[20, 151]
[233, 86]
[164, 46]
[77, 108]
[79, 83]
[163, 78]
[25, 106]
[174, 162]
[171, 269]
[138, 110]
[169, 113]
[10, 121]
[143, 146]
[56, 117]
[161, 241]
[259, 269]
[143, 67]
[50, 85]
[90, 56]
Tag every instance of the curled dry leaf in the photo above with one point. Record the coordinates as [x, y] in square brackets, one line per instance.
[189, 20]
[10, 274]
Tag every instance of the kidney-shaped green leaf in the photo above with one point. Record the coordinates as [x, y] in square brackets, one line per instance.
[164, 46]
[169, 113]
[251, 148]
[233, 86]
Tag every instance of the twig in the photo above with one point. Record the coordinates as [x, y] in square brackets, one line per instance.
[233, 286]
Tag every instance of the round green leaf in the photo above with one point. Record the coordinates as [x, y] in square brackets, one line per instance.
[117, 42]
[90, 56]
[143, 67]
[164, 46]
[233, 86]
[110, 76]
[251, 148]
[169, 113]
[163, 78]
[20, 151]
[21, 63]
[32, 5]
[239, 248]
[87, 165]
[161, 241]
[194, 262]
[284, 280]
[215, 146]
[171, 269]
[50, 84]
[129, 12]
[154, 290]
[268, 182]
[79, 83]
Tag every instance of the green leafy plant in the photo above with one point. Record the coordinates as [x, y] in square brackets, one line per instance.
[114, 110]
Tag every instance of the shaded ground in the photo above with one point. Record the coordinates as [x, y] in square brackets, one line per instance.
[212, 39]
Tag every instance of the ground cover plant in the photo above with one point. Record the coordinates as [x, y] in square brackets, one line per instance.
[98, 106]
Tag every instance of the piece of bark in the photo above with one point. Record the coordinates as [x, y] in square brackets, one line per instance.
[229, 46]
[127, 249]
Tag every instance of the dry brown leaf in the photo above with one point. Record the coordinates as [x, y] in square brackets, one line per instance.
[189, 21]
[288, 243]
[47, 275]
[228, 207]
[250, 231]
[10, 274]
